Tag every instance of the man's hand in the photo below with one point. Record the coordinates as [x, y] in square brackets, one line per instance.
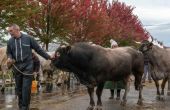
[10, 62]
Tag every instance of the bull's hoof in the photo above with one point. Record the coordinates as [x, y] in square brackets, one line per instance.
[123, 103]
[140, 102]
[98, 108]
[2, 90]
[34, 109]
[90, 107]
[117, 98]
[162, 98]
[111, 97]
[158, 97]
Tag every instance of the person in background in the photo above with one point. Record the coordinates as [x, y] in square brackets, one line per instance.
[146, 66]
[19, 48]
[113, 43]
[146, 70]
[114, 85]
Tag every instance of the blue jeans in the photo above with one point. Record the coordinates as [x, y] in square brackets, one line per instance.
[23, 90]
[146, 71]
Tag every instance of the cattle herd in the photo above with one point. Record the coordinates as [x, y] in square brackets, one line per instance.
[93, 65]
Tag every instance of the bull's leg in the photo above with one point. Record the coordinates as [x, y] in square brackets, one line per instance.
[3, 83]
[158, 91]
[168, 92]
[118, 94]
[99, 93]
[39, 83]
[138, 84]
[62, 88]
[127, 88]
[163, 86]
[91, 94]
[11, 78]
[40, 73]
[140, 99]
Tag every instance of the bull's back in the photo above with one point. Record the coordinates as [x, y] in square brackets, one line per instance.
[160, 59]
[133, 56]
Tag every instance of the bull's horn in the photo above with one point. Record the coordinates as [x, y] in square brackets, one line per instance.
[137, 42]
[151, 38]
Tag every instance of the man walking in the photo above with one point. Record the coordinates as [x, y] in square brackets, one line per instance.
[146, 70]
[19, 49]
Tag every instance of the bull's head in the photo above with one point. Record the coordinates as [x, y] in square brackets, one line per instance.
[146, 45]
[61, 57]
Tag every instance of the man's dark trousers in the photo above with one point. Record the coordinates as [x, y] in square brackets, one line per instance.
[23, 89]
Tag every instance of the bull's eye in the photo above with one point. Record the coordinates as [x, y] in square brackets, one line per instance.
[58, 54]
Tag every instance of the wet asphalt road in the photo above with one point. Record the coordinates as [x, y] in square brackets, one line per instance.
[80, 101]
[149, 95]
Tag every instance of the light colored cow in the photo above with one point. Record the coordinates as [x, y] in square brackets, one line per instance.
[3, 67]
[62, 79]
[45, 66]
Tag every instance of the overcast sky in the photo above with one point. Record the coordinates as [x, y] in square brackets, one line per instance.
[154, 14]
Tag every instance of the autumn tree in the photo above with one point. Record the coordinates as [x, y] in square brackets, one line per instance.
[71, 21]
[99, 21]
[74, 20]
[90, 21]
[52, 21]
[124, 25]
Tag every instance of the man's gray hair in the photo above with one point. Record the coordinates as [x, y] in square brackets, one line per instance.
[15, 26]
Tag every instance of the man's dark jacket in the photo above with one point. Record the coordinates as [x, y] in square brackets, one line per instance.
[20, 49]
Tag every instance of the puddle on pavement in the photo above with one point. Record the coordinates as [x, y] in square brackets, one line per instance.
[8, 100]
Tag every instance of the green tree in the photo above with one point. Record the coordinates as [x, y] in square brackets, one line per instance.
[15, 11]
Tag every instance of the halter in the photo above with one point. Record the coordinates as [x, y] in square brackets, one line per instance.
[27, 74]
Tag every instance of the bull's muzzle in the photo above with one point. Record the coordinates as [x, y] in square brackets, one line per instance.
[56, 55]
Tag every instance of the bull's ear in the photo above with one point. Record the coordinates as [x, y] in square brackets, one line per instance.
[68, 48]
[151, 44]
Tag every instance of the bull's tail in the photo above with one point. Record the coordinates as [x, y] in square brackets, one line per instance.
[138, 73]
[138, 81]
[138, 70]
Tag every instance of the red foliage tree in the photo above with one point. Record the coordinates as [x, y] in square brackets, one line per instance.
[75, 20]
[86, 20]
[124, 25]
[98, 21]
[90, 21]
